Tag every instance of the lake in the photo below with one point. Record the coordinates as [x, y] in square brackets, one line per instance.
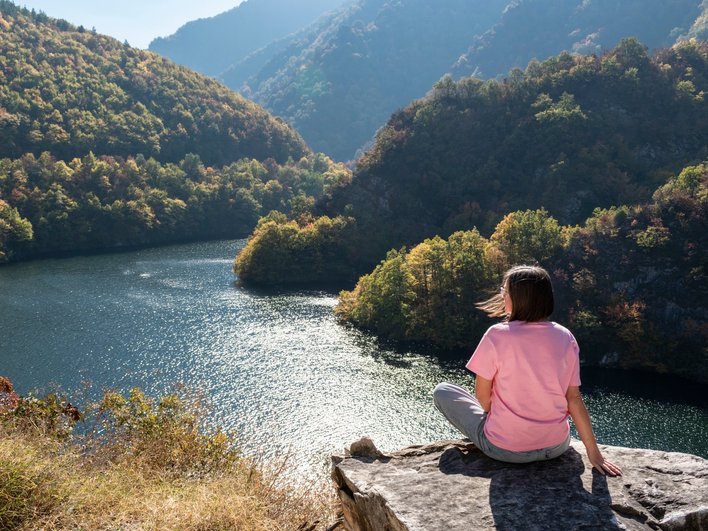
[277, 366]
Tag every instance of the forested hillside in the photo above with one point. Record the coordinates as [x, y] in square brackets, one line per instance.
[591, 166]
[105, 146]
[212, 45]
[49, 206]
[69, 91]
[570, 134]
[631, 282]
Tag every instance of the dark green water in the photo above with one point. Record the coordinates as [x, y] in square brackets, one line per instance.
[278, 367]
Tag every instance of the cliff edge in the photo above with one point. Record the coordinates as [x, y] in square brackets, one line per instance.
[450, 485]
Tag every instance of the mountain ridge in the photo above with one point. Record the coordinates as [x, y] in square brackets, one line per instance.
[211, 45]
[339, 79]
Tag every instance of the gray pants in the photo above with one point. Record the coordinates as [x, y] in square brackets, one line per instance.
[466, 413]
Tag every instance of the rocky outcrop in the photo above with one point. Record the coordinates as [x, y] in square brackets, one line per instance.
[451, 485]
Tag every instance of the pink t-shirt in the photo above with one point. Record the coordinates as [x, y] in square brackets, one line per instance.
[531, 364]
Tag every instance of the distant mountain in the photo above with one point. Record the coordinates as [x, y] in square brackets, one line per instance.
[338, 84]
[265, 62]
[70, 91]
[212, 45]
[541, 28]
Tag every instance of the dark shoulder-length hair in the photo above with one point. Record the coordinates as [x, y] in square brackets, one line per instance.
[531, 293]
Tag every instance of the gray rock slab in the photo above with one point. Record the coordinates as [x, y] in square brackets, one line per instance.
[451, 485]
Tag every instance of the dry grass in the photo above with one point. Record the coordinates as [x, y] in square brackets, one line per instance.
[147, 469]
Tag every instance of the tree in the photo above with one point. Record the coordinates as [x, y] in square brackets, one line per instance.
[13, 228]
[527, 237]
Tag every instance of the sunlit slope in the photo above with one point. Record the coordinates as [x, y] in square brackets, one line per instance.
[70, 91]
[570, 134]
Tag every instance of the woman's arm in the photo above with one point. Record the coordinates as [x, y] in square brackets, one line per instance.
[483, 392]
[579, 414]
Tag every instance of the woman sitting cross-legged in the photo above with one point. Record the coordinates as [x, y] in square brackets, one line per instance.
[527, 380]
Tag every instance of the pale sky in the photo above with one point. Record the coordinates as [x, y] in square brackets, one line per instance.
[138, 21]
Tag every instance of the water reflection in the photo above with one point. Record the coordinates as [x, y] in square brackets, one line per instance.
[277, 366]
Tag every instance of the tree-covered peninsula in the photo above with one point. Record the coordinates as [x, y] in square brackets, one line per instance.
[305, 251]
[104, 146]
[631, 282]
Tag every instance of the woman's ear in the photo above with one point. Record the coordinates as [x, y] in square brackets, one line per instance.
[507, 302]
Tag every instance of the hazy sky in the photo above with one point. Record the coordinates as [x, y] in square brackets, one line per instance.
[138, 21]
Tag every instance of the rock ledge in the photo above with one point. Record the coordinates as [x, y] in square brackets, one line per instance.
[451, 485]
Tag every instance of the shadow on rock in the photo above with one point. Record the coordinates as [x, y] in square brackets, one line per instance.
[546, 495]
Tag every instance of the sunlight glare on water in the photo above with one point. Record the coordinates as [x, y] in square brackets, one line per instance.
[277, 367]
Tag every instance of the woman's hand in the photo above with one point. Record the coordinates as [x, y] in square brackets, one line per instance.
[602, 465]
[579, 414]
